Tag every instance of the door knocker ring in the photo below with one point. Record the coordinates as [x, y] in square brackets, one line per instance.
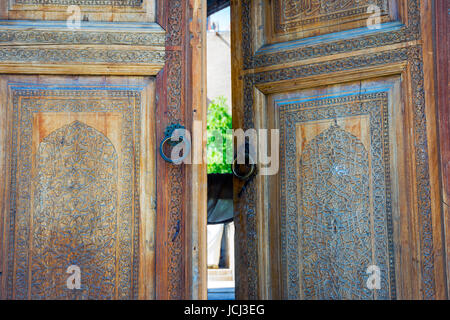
[247, 175]
[168, 140]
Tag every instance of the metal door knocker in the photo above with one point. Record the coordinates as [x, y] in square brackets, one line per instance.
[245, 171]
[249, 167]
[170, 139]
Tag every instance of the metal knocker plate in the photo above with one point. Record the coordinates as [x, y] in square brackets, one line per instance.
[170, 140]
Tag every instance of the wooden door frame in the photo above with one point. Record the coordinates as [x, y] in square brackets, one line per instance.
[172, 49]
[408, 53]
[441, 49]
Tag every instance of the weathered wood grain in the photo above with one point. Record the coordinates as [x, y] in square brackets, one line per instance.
[196, 284]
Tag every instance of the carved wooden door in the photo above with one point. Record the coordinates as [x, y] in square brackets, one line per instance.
[86, 93]
[354, 210]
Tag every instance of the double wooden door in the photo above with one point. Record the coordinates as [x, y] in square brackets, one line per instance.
[348, 84]
[354, 211]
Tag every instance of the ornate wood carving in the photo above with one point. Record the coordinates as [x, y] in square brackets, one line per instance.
[79, 196]
[411, 54]
[34, 34]
[137, 48]
[75, 213]
[175, 114]
[114, 48]
[182, 250]
[99, 3]
[337, 230]
[81, 56]
[334, 192]
[290, 14]
[273, 56]
[90, 10]
[171, 187]
[350, 41]
[291, 19]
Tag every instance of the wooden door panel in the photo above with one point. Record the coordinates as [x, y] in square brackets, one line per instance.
[133, 40]
[339, 160]
[355, 110]
[77, 153]
[292, 19]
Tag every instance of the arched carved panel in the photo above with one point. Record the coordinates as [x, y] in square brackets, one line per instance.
[334, 217]
[75, 194]
[75, 214]
[335, 201]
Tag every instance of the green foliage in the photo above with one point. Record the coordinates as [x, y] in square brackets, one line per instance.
[219, 124]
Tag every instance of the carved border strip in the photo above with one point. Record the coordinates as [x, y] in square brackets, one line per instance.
[44, 55]
[174, 28]
[67, 36]
[251, 60]
[176, 181]
[175, 235]
[116, 3]
[29, 42]
[344, 64]
[171, 186]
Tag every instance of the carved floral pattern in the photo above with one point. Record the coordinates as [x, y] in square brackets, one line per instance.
[28, 100]
[299, 11]
[36, 36]
[373, 105]
[174, 103]
[117, 3]
[335, 235]
[75, 213]
[12, 54]
[408, 32]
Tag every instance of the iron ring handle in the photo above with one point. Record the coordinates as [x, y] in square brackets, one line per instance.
[246, 176]
[180, 159]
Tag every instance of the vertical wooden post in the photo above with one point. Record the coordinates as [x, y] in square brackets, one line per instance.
[442, 49]
[196, 248]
